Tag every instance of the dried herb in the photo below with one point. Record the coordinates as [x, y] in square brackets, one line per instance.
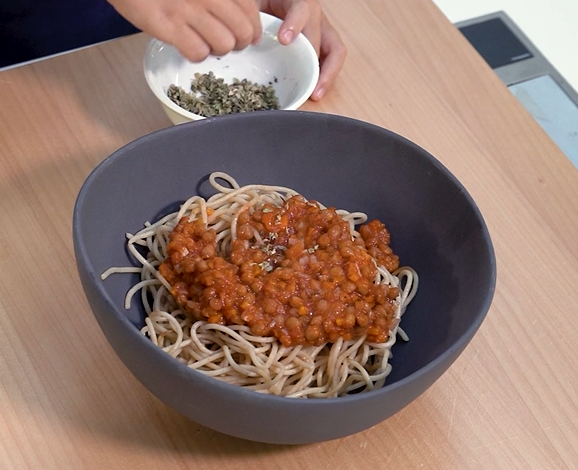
[211, 96]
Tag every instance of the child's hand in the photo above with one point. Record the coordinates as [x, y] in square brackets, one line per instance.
[306, 16]
[196, 28]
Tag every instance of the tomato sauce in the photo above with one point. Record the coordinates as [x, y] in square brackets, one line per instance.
[307, 282]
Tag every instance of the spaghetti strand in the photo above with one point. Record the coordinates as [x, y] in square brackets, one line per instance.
[233, 353]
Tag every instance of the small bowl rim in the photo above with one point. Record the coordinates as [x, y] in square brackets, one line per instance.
[155, 43]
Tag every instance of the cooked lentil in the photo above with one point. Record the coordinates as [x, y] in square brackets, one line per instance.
[308, 282]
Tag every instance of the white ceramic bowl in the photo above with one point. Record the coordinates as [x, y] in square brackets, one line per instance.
[292, 70]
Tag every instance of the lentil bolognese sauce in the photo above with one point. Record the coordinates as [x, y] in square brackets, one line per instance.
[261, 288]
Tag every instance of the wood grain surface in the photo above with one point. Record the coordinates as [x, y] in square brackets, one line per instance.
[509, 401]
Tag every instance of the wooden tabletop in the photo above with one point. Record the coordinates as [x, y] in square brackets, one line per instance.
[509, 401]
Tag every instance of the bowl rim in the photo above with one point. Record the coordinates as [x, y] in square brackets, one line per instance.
[155, 44]
[195, 375]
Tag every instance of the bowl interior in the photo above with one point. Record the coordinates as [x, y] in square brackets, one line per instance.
[435, 225]
[292, 70]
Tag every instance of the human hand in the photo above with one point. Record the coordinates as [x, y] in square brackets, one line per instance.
[196, 28]
[307, 17]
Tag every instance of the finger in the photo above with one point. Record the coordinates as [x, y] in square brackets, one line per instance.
[333, 54]
[242, 19]
[312, 29]
[214, 32]
[190, 44]
[251, 10]
[294, 21]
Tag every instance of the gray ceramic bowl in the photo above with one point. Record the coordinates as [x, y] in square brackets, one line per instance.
[436, 228]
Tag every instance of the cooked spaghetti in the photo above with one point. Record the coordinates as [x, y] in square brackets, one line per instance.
[258, 287]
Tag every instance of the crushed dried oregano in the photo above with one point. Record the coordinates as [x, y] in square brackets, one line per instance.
[211, 96]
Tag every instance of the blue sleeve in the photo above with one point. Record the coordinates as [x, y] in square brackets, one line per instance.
[30, 29]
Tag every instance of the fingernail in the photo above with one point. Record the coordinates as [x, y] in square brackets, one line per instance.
[257, 40]
[319, 93]
[288, 36]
